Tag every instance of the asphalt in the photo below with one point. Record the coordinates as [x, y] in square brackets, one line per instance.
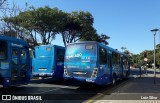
[134, 90]
[140, 89]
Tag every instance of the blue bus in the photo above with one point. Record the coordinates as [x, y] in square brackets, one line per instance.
[93, 62]
[48, 61]
[15, 68]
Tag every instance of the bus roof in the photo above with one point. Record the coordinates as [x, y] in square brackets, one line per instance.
[12, 39]
[101, 44]
[49, 45]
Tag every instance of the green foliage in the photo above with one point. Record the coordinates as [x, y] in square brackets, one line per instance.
[78, 26]
[138, 60]
[47, 23]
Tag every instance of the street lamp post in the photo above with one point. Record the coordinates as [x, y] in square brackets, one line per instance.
[154, 30]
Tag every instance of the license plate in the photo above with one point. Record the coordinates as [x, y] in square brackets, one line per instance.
[43, 69]
[79, 73]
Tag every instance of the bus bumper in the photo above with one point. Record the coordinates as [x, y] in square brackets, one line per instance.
[90, 80]
[6, 82]
[42, 74]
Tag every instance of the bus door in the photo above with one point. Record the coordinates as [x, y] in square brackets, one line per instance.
[60, 62]
[18, 66]
[103, 63]
[23, 66]
[14, 66]
[109, 64]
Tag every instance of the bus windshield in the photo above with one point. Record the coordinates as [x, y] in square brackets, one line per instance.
[42, 51]
[81, 53]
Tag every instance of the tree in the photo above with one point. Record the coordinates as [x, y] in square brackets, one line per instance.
[76, 26]
[91, 35]
[47, 23]
[42, 21]
[123, 48]
[127, 52]
[103, 39]
[150, 57]
[9, 11]
[158, 47]
[2, 2]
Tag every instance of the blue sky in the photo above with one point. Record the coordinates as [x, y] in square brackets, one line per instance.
[126, 22]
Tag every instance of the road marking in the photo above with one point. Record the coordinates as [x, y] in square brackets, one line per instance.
[68, 87]
[46, 91]
[51, 85]
[96, 97]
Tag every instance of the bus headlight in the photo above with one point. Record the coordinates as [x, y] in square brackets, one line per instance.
[94, 73]
[65, 71]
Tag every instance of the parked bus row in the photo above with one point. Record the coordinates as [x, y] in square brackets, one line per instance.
[87, 61]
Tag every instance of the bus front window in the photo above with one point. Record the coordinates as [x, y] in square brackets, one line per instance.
[43, 52]
[81, 53]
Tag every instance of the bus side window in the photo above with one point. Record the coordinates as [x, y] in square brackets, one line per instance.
[15, 57]
[103, 56]
[109, 60]
[23, 58]
[3, 50]
[60, 55]
[2, 54]
[116, 58]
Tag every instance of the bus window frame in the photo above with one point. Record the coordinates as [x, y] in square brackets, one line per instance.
[103, 58]
[5, 49]
[60, 53]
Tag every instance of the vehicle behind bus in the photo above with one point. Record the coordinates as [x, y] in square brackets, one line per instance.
[15, 68]
[48, 61]
[95, 63]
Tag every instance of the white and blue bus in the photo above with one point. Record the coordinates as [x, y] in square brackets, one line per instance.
[15, 68]
[90, 61]
[48, 61]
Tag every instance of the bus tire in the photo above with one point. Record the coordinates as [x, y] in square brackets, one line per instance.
[114, 79]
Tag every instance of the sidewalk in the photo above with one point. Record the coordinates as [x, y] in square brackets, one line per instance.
[138, 90]
[145, 84]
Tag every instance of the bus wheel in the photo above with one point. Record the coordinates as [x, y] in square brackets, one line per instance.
[114, 80]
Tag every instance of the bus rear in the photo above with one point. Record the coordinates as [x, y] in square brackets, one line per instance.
[48, 61]
[81, 61]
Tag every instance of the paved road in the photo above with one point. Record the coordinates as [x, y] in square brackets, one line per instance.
[72, 91]
[57, 90]
[140, 90]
